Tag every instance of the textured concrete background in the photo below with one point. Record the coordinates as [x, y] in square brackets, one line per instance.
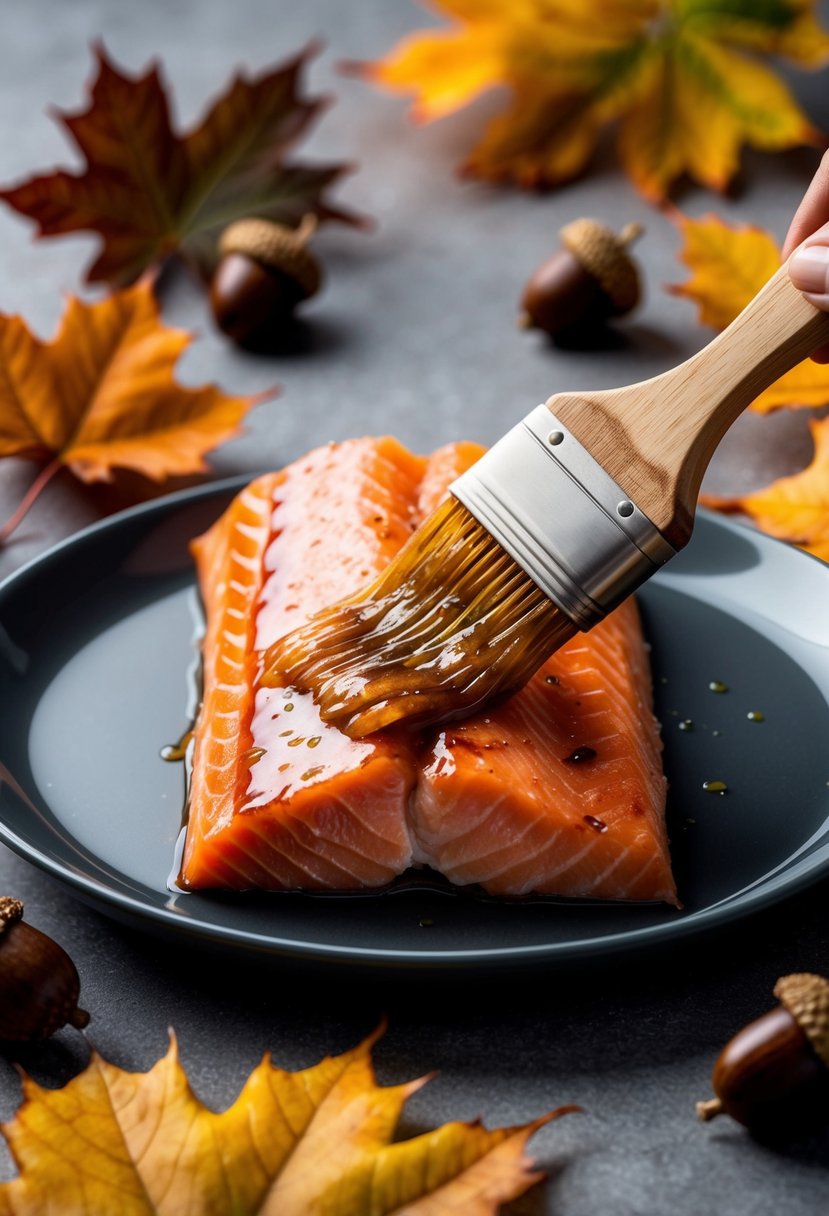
[415, 335]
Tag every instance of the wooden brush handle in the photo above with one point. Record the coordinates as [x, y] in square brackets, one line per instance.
[656, 438]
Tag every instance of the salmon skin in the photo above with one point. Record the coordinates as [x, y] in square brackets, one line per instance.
[557, 791]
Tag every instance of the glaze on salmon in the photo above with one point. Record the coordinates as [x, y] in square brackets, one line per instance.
[558, 790]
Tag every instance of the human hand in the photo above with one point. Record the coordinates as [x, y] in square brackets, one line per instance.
[809, 266]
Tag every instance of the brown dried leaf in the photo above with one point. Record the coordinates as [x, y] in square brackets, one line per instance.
[149, 192]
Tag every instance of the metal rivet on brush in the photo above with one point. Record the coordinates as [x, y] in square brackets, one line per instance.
[625, 508]
[555, 438]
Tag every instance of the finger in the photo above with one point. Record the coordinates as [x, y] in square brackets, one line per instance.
[809, 268]
[812, 212]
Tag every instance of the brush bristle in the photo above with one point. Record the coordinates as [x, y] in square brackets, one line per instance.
[452, 622]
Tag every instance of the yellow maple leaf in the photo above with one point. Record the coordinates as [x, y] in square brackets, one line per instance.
[310, 1143]
[685, 79]
[729, 266]
[102, 395]
[794, 508]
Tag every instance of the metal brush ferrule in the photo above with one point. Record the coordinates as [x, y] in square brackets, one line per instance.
[562, 518]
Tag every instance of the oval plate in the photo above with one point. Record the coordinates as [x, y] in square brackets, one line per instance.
[98, 651]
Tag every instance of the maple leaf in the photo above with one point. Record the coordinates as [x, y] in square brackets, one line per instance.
[730, 265]
[316, 1141]
[102, 395]
[149, 192]
[794, 508]
[684, 78]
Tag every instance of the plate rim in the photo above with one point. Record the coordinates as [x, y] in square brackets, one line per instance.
[149, 916]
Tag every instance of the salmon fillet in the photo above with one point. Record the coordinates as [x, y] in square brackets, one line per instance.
[558, 790]
[278, 799]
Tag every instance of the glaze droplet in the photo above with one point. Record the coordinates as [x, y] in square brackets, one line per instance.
[714, 787]
[580, 755]
[177, 751]
[598, 825]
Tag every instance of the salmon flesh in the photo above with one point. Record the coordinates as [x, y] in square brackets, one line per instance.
[558, 790]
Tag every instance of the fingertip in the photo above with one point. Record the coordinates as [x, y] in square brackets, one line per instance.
[809, 271]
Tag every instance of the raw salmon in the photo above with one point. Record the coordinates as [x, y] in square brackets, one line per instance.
[278, 799]
[559, 790]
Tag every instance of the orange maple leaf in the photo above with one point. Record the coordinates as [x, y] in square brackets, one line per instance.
[794, 508]
[149, 192]
[684, 78]
[730, 265]
[101, 395]
[141, 1144]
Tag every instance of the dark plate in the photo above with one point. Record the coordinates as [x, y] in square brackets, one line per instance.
[97, 654]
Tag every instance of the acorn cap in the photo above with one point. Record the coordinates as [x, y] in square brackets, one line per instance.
[10, 910]
[806, 997]
[277, 247]
[604, 255]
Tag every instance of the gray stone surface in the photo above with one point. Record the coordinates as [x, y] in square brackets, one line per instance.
[415, 335]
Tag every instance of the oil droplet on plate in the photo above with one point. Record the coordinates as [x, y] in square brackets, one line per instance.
[756, 715]
[686, 724]
[717, 686]
[714, 787]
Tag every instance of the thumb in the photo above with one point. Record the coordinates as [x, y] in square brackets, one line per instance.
[809, 267]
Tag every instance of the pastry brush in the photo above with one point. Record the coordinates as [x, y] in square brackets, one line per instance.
[547, 533]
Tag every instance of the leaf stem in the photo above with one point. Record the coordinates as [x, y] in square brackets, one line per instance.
[40, 482]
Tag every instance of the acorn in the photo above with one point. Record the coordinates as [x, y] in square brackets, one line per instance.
[39, 984]
[588, 280]
[773, 1076]
[265, 271]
